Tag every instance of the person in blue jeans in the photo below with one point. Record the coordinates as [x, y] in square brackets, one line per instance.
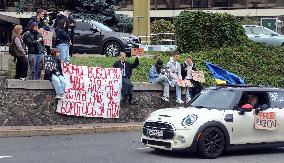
[155, 76]
[63, 40]
[175, 73]
[56, 76]
[34, 41]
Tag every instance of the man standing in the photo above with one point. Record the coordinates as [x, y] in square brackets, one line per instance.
[175, 73]
[38, 19]
[126, 68]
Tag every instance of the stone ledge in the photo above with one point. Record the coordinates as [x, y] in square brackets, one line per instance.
[47, 85]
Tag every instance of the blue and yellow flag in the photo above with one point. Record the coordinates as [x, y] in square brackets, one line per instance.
[221, 74]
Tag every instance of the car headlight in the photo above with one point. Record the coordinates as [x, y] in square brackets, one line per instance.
[189, 120]
[128, 39]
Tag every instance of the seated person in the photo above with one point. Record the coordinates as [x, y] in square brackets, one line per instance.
[156, 77]
[252, 103]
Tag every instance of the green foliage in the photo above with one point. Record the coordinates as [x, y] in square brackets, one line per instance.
[162, 26]
[199, 30]
[250, 21]
[99, 10]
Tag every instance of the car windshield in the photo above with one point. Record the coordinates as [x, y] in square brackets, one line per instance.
[101, 26]
[248, 30]
[260, 30]
[214, 99]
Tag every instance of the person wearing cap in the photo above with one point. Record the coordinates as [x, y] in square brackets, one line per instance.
[34, 41]
[155, 76]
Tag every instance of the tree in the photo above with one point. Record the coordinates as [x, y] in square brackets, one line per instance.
[162, 26]
[99, 10]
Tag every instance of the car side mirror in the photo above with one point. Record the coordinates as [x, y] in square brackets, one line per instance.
[274, 34]
[263, 107]
[95, 30]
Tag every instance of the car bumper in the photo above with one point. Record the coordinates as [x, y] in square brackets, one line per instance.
[183, 140]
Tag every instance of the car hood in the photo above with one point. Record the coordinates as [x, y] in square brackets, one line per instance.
[176, 116]
[119, 34]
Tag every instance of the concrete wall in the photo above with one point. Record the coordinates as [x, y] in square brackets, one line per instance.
[32, 103]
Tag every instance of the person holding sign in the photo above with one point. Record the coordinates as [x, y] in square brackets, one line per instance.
[126, 68]
[175, 74]
[54, 73]
[156, 77]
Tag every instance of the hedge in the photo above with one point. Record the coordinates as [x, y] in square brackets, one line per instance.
[198, 30]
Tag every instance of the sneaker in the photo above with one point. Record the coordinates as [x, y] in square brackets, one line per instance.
[179, 101]
[58, 97]
[23, 79]
[165, 99]
[188, 100]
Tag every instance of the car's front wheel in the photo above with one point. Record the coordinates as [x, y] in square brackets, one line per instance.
[112, 49]
[211, 143]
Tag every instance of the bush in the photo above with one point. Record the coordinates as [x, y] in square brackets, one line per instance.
[199, 30]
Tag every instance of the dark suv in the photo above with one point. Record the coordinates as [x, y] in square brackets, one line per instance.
[96, 38]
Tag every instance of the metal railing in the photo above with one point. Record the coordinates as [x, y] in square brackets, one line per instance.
[159, 39]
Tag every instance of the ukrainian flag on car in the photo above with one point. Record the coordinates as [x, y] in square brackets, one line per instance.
[222, 76]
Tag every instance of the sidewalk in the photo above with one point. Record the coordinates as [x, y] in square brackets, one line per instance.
[27, 131]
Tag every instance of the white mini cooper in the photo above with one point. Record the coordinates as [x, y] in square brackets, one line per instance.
[218, 120]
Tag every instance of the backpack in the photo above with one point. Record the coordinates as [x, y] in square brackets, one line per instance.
[12, 49]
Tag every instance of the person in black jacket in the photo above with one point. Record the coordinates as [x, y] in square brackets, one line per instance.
[63, 41]
[38, 19]
[55, 75]
[126, 67]
[186, 72]
[34, 41]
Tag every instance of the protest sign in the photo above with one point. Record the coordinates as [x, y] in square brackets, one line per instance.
[266, 121]
[91, 91]
[198, 76]
[184, 83]
[47, 37]
[137, 51]
[48, 64]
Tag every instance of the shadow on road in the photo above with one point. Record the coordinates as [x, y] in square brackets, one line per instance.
[183, 154]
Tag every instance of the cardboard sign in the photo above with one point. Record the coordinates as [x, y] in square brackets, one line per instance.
[184, 83]
[47, 37]
[48, 64]
[266, 121]
[137, 51]
[198, 76]
[91, 91]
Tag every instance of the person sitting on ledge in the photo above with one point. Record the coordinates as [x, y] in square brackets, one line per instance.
[155, 76]
[55, 75]
[126, 68]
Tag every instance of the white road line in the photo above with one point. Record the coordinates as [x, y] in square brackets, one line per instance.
[5, 157]
[143, 148]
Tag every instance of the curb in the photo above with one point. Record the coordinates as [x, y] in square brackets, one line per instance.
[66, 131]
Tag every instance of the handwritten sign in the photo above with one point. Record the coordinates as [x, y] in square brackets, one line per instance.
[91, 91]
[48, 64]
[184, 83]
[137, 51]
[198, 76]
[47, 37]
[266, 121]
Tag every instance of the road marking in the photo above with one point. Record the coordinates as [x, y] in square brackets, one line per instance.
[5, 157]
[143, 148]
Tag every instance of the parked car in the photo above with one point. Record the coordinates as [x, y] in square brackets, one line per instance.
[216, 122]
[96, 38]
[261, 34]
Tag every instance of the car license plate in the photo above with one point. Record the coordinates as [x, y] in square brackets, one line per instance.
[157, 133]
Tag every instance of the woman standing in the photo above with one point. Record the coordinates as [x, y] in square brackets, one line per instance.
[62, 40]
[22, 61]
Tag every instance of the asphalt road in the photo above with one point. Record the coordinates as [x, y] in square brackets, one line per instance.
[111, 148]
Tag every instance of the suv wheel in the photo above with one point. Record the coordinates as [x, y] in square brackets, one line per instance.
[211, 143]
[112, 49]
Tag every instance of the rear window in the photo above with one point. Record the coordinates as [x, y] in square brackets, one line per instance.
[277, 99]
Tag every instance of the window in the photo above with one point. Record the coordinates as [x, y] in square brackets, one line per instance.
[260, 30]
[84, 26]
[261, 98]
[214, 99]
[277, 99]
[249, 30]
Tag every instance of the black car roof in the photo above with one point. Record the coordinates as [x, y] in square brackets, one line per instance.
[252, 88]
